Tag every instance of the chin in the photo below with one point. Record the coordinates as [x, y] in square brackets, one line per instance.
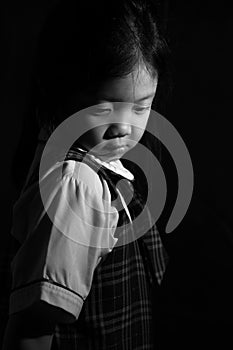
[111, 155]
[117, 155]
[108, 159]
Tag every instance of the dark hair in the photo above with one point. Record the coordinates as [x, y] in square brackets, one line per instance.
[85, 43]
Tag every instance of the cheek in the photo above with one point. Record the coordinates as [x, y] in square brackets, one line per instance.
[140, 126]
[138, 134]
[95, 134]
[92, 126]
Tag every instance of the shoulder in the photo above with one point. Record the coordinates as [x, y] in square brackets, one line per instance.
[83, 174]
[63, 190]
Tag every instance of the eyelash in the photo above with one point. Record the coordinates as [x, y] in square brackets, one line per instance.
[106, 111]
[102, 111]
[142, 109]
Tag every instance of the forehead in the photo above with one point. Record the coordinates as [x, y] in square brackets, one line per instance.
[131, 88]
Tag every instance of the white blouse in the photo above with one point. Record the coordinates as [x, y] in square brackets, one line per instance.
[64, 238]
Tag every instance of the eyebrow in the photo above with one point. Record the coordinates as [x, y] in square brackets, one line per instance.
[113, 99]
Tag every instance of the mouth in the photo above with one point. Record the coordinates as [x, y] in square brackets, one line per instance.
[116, 143]
[116, 147]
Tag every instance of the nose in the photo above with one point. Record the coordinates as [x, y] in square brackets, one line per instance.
[117, 130]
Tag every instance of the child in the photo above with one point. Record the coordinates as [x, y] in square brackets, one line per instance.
[67, 293]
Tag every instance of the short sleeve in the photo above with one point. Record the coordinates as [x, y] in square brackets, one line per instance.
[65, 229]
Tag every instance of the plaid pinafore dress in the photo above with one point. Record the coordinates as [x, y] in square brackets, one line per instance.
[117, 314]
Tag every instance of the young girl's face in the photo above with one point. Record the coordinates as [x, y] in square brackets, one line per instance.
[118, 121]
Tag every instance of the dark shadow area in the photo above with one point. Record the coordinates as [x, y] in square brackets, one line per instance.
[196, 306]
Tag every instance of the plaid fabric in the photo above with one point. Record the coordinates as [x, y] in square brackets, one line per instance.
[117, 314]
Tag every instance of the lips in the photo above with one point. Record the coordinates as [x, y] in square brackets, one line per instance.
[115, 147]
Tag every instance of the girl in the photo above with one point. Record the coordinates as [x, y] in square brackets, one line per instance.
[68, 292]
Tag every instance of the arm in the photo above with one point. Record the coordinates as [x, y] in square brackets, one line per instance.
[56, 262]
[33, 328]
[15, 340]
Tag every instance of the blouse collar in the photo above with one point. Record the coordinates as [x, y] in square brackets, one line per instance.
[116, 166]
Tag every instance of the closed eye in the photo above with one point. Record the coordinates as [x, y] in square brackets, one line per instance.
[101, 111]
[141, 109]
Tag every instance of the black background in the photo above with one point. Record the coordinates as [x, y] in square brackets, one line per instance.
[196, 308]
